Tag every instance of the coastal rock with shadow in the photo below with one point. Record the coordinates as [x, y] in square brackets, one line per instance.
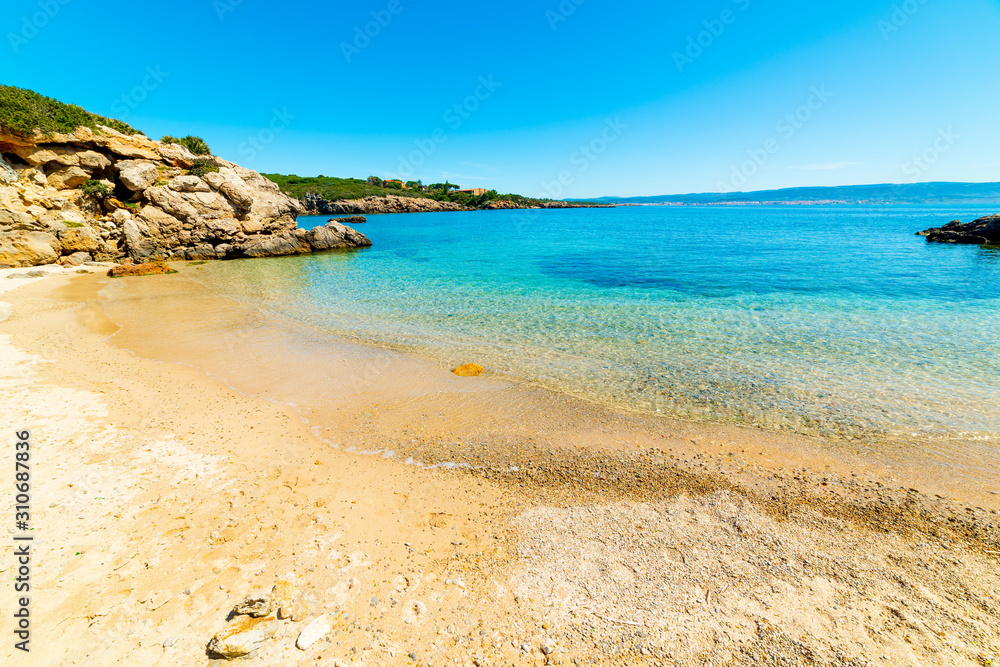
[119, 196]
[984, 231]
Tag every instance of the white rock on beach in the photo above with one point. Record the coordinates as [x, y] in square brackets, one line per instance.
[316, 630]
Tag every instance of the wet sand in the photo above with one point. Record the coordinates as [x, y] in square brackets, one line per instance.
[196, 450]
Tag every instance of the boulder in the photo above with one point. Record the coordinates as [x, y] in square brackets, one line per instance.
[276, 246]
[176, 155]
[318, 628]
[121, 216]
[189, 184]
[68, 178]
[76, 259]
[984, 231]
[94, 160]
[238, 193]
[79, 239]
[147, 269]
[138, 243]
[137, 175]
[257, 606]
[24, 248]
[7, 174]
[215, 179]
[243, 636]
[335, 235]
[11, 220]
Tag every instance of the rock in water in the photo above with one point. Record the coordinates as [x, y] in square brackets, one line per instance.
[319, 627]
[335, 235]
[984, 231]
[468, 370]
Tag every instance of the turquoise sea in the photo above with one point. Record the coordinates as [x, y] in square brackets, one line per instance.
[814, 319]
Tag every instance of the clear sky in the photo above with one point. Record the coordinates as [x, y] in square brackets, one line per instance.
[612, 98]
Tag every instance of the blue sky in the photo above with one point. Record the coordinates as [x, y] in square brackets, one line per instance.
[563, 98]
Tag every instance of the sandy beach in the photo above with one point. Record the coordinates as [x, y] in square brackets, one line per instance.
[190, 452]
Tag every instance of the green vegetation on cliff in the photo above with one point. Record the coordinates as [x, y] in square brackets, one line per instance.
[24, 111]
[335, 189]
[196, 145]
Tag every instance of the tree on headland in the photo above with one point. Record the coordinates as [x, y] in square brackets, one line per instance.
[376, 181]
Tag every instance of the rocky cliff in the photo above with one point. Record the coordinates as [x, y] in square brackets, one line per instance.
[315, 204]
[984, 231]
[148, 204]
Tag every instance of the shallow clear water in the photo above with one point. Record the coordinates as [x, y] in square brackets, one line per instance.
[816, 319]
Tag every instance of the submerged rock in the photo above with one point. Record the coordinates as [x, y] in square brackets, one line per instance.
[984, 231]
[468, 370]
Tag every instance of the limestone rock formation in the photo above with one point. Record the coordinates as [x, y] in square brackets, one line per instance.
[314, 203]
[984, 231]
[153, 209]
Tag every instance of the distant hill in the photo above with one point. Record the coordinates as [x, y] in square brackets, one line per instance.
[910, 193]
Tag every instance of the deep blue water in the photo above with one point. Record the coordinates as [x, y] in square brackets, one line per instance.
[818, 319]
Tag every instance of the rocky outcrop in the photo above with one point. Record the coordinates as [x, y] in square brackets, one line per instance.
[984, 231]
[507, 204]
[314, 204]
[153, 210]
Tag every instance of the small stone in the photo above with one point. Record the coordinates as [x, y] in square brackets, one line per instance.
[316, 630]
[167, 643]
[526, 647]
[256, 606]
[37, 274]
[547, 649]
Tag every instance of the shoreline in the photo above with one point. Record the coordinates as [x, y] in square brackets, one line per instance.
[525, 534]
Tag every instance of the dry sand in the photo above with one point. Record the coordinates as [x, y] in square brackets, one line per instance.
[167, 491]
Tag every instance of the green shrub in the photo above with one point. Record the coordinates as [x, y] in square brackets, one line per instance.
[96, 189]
[202, 167]
[24, 111]
[196, 145]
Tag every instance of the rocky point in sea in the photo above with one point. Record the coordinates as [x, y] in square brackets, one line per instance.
[148, 205]
[984, 231]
